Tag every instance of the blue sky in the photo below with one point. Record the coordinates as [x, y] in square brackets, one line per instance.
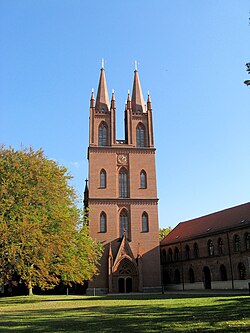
[191, 56]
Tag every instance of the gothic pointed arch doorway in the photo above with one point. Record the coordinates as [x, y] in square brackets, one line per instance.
[207, 277]
[125, 276]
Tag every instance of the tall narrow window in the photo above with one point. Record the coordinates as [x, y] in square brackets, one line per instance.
[187, 252]
[140, 136]
[124, 224]
[196, 250]
[247, 240]
[144, 222]
[143, 179]
[103, 179]
[103, 222]
[191, 275]
[176, 254]
[220, 246]
[210, 248]
[236, 243]
[123, 183]
[103, 135]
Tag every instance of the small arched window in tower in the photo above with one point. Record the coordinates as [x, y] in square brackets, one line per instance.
[103, 179]
[187, 252]
[210, 248]
[143, 179]
[124, 224]
[220, 246]
[103, 135]
[140, 136]
[123, 183]
[145, 222]
[196, 250]
[247, 240]
[103, 222]
[236, 243]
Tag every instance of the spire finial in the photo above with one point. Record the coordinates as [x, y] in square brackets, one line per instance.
[136, 65]
[102, 63]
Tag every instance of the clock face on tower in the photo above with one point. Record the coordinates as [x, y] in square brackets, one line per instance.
[122, 159]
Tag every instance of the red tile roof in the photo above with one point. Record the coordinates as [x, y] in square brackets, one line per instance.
[224, 219]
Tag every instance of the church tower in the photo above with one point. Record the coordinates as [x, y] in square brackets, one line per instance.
[121, 193]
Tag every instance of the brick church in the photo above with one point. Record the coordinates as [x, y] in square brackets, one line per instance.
[121, 193]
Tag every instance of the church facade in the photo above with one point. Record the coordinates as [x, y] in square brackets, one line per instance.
[121, 195]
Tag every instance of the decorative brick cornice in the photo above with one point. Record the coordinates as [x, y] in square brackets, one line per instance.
[121, 149]
[122, 202]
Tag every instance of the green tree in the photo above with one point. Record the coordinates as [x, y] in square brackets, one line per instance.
[43, 239]
[163, 232]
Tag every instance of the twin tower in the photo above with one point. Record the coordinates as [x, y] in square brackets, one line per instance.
[122, 194]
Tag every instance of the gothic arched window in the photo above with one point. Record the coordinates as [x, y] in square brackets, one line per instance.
[187, 252]
[170, 255]
[145, 222]
[176, 254]
[196, 250]
[143, 179]
[103, 222]
[247, 241]
[123, 183]
[124, 223]
[140, 136]
[236, 243]
[103, 135]
[210, 248]
[103, 179]
[220, 246]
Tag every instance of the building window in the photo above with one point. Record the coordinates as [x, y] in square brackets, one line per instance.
[176, 254]
[103, 135]
[223, 273]
[123, 183]
[242, 271]
[191, 275]
[103, 179]
[247, 240]
[196, 250]
[124, 224]
[236, 243]
[220, 246]
[187, 252]
[177, 276]
[103, 222]
[143, 179]
[163, 257]
[210, 248]
[145, 222]
[140, 136]
[170, 255]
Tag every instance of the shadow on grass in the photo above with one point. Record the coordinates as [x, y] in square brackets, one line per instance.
[223, 315]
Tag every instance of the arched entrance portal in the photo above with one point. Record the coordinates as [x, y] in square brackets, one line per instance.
[207, 277]
[125, 278]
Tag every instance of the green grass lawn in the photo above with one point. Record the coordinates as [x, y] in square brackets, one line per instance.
[134, 313]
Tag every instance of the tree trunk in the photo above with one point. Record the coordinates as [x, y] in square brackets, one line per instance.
[30, 289]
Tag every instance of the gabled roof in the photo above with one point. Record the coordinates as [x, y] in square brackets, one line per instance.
[233, 217]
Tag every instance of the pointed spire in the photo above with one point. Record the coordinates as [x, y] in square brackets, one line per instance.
[92, 99]
[113, 102]
[86, 194]
[102, 98]
[149, 103]
[129, 101]
[138, 104]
